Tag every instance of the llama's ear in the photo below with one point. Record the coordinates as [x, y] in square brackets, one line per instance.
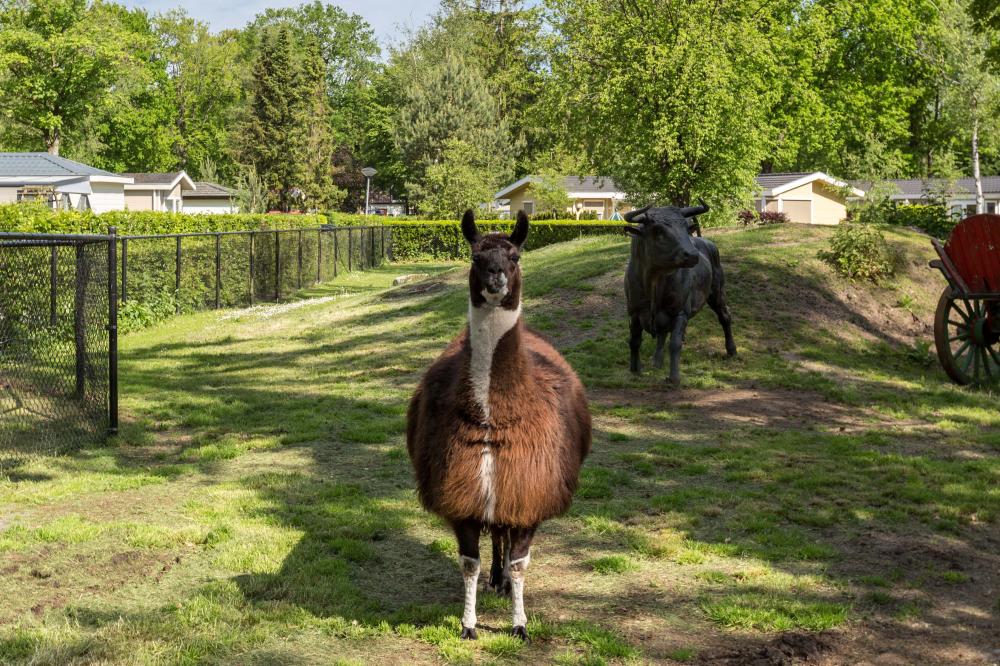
[469, 229]
[520, 233]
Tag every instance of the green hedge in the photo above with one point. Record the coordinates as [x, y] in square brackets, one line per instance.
[30, 218]
[934, 219]
[414, 239]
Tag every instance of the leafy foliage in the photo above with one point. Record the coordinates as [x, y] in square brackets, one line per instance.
[860, 252]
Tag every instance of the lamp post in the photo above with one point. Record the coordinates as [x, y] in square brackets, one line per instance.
[368, 172]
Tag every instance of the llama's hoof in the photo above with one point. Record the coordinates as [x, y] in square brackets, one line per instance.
[501, 588]
[522, 633]
[469, 634]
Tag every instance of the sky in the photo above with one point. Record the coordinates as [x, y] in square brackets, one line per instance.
[383, 15]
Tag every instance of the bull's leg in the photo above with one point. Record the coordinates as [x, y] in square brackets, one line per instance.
[676, 343]
[661, 340]
[717, 301]
[520, 556]
[467, 533]
[634, 343]
[500, 567]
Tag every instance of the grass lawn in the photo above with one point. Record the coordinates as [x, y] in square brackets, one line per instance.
[827, 495]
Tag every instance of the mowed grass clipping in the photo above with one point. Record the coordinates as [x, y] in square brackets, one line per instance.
[259, 505]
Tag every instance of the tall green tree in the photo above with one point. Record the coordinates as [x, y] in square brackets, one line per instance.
[448, 99]
[206, 78]
[58, 62]
[668, 97]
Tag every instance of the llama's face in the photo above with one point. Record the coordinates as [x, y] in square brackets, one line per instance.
[495, 276]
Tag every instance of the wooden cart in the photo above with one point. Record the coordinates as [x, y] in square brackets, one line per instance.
[967, 322]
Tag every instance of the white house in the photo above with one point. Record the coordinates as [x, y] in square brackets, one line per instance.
[60, 182]
[806, 198]
[209, 198]
[959, 195]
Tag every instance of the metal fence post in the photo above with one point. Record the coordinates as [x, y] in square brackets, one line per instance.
[113, 330]
[371, 233]
[336, 253]
[53, 268]
[177, 279]
[124, 269]
[252, 248]
[350, 249]
[300, 258]
[218, 271]
[277, 267]
[79, 321]
[319, 256]
[382, 238]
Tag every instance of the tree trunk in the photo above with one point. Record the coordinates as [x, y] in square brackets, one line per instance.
[980, 202]
[52, 142]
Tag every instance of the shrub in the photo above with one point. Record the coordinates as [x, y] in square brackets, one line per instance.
[443, 240]
[36, 218]
[748, 218]
[860, 252]
[933, 219]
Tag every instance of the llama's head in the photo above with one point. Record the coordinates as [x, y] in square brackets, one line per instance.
[495, 277]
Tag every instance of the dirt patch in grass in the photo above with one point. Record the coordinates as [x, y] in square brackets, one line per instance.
[774, 408]
[785, 650]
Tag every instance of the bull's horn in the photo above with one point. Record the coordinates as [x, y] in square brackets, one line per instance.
[636, 215]
[691, 211]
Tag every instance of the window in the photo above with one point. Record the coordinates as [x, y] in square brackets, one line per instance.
[991, 207]
[528, 207]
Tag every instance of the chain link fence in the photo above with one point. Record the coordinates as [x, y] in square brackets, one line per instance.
[58, 342]
[175, 273]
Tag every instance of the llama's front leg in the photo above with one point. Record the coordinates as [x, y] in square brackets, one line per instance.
[467, 533]
[520, 557]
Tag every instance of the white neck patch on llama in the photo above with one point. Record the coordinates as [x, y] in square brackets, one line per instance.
[487, 324]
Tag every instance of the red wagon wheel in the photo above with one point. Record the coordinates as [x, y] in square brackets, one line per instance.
[967, 336]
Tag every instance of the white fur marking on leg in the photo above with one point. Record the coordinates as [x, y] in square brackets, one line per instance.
[517, 569]
[470, 574]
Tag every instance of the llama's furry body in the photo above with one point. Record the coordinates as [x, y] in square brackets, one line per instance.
[524, 450]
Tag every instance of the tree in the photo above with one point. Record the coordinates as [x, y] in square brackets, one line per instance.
[206, 79]
[549, 193]
[58, 61]
[668, 98]
[969, 87]
[448, 99]
[459, 180]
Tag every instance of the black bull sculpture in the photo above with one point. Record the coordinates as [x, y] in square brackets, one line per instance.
[670, 277]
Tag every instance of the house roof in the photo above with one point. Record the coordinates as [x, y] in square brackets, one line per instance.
[578, 186]
[206, 190]
[774, 184]
[160, 181]
[771, 184]
[44, 165]
[916, 188]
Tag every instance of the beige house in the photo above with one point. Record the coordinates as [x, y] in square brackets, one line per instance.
[157, 191]
[806, 198]
[589, 194]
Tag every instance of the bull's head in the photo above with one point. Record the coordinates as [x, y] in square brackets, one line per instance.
[664, 235]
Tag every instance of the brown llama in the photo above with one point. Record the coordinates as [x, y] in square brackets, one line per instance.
[498, 428]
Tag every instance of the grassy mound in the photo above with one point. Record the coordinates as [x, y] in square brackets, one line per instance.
[259, 507]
